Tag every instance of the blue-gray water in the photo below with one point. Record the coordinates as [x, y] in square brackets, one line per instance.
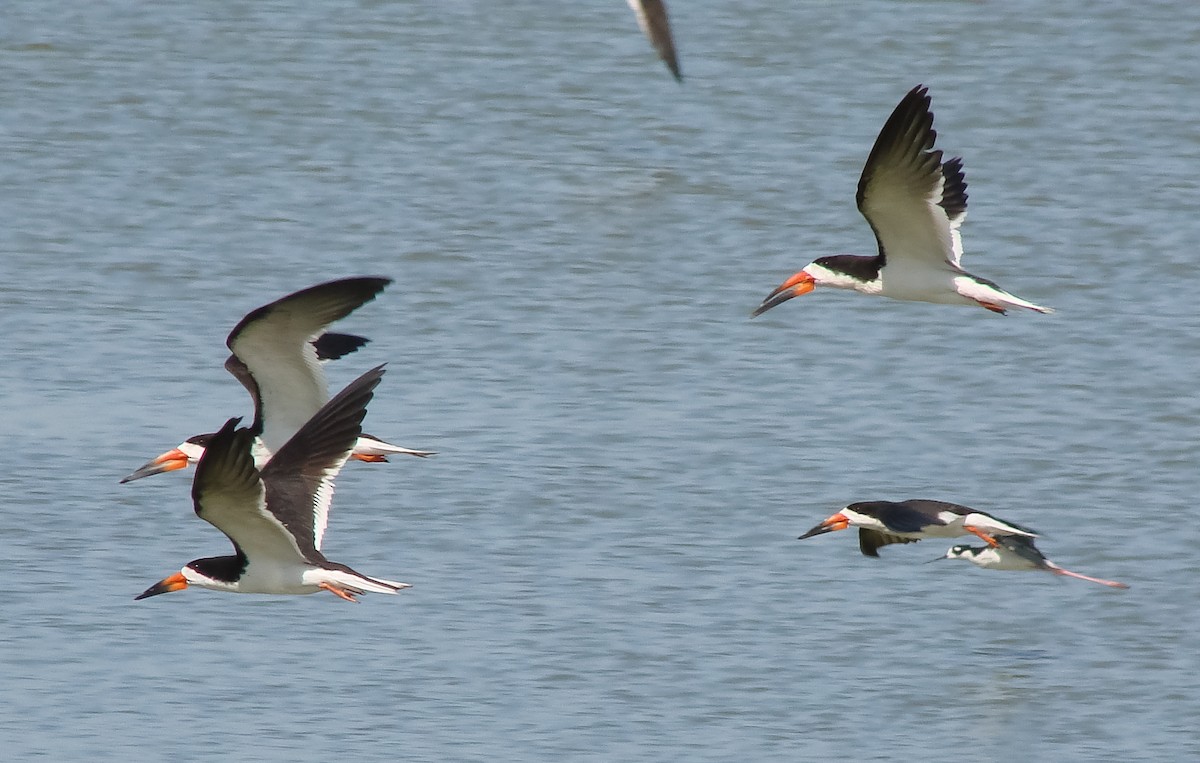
[604, 553]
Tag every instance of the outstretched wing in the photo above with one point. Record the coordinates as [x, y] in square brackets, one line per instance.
[870, 541]
[331, 346]
[652, 18]
[228, 493]
[275, 359]
[954, 204]
[914, 203]
[299, 477]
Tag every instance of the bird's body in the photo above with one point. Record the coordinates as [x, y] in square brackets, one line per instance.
[276, 517]
[652, 18]
[277, 353]
[881, 523]
[915, 204]
[1017, 553]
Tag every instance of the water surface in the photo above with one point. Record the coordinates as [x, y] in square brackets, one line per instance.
[603, 554]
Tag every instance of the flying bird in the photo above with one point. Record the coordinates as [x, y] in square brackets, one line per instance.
[276, 517]
[881, 523]
[915, 204]
[277, 353]
[652, 18]
[1017, 553]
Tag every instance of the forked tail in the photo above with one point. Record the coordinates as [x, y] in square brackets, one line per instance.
[371, 448]
[356, 582]
[1010, 300]
[988, 294]
[381, 585]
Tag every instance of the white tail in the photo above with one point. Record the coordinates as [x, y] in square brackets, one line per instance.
[360, 583]
[373, 447]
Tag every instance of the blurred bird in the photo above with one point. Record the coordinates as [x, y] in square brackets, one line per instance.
[652, 18]
[1016, 553]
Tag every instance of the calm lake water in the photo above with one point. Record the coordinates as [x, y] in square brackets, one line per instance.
[604, 552]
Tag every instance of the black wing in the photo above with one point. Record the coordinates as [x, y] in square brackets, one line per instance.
[913, 204]
[273, 346]
[228, 492]
[1023, 547]
[906, 516]
[870, 541]
[331, 346]
[299, 477]
[652, 18]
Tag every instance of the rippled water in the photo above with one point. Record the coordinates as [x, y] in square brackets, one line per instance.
[603, 554]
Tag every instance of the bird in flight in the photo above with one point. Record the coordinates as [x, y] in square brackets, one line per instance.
[915, 203]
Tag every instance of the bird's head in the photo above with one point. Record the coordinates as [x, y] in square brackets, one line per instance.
[961, 551]
[219, 573]
[840, 271]
[185, 454]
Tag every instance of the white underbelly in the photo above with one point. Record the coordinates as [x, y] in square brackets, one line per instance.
[922, 284]
[279, 579]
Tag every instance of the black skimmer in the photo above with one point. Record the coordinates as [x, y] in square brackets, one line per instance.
[652, 18]
[1017, 553]
[915, 204]
[277, 354]
[881, 523]
[276, 517]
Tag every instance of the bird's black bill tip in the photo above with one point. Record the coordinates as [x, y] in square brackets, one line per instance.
[774, 300]
[148, 470]
[818, 530]
[832, 524]
[175, 582]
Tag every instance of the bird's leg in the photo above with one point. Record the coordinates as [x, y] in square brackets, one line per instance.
[976, 531]
[341, 593]
[369, 458]
[1110, 583]
[993, 307]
